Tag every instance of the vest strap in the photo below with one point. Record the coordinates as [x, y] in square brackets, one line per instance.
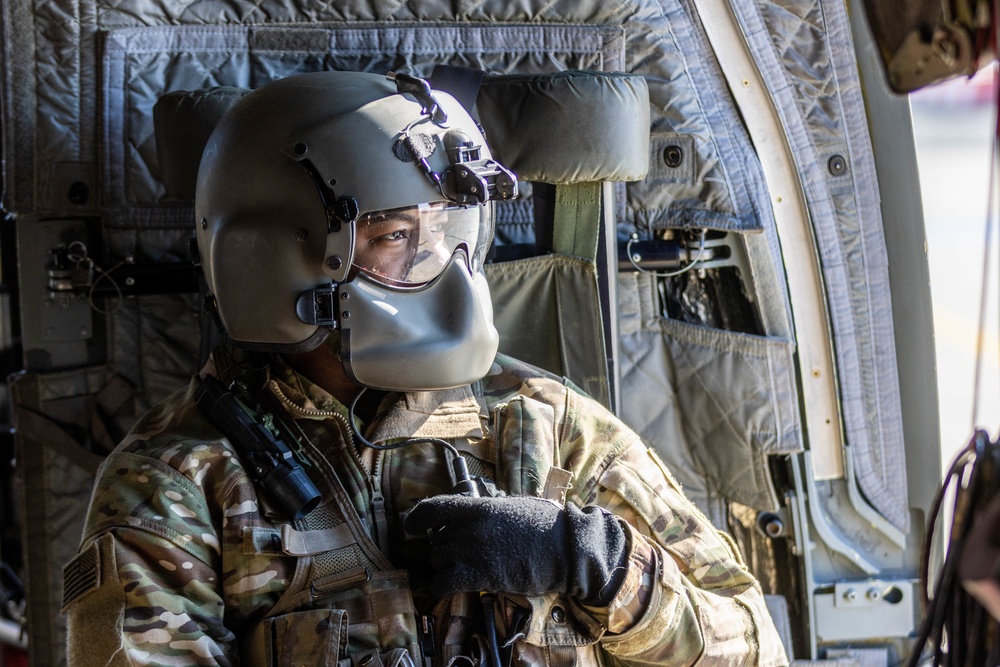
[311, 542]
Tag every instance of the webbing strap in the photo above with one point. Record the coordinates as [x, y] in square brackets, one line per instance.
[311, 542]
[294, 542]
[577, 220]
[556, 484]
[462, 83]
[35, 428]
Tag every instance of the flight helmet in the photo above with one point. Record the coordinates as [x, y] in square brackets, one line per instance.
[356, 203]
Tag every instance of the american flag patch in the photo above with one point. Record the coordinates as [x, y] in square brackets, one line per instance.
[81, 575]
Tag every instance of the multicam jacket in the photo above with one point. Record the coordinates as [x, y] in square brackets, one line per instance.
[185, 562]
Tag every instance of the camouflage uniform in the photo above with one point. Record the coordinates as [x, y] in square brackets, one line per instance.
[183, 562]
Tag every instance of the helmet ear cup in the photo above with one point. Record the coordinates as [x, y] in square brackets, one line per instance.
[255, 262]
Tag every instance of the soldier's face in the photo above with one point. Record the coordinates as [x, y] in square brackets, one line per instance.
[411, 246]
[385, 243]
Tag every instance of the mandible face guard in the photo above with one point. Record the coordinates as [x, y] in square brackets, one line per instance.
[435, 336]
[415, 314]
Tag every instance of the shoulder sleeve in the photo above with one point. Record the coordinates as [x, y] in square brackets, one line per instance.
[172, 476]
[137, 601]
[144, 587]
[144, 493]
[170, 507]
[703, 604]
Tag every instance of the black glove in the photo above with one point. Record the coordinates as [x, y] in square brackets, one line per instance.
[522, 545]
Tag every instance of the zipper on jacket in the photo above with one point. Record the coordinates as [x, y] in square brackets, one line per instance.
[493, 432]
[381, 528]
[374, 479]
[378, 504]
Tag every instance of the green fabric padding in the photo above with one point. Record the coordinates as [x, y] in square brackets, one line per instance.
[577, 220]
[548, 315]
[576, 126]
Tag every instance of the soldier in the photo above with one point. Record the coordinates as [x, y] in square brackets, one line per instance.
[342, 228]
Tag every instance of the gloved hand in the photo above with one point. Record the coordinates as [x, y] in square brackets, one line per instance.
[523, 545]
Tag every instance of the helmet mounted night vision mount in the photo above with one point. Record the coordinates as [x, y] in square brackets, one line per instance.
[468, 179]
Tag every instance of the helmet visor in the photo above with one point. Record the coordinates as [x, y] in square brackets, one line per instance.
[411, 246]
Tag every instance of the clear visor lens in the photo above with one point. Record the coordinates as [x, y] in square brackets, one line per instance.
[411, 246]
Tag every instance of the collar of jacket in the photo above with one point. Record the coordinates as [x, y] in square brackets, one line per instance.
[458, 413]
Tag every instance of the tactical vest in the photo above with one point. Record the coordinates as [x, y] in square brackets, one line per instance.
[347, 605]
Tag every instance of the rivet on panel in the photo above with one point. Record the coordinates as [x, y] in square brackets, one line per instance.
[837, 165]
[673, 156]
[79, 192]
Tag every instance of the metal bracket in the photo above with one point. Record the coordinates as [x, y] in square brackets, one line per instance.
[57, 326]
[866, 609]
[826, 529]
